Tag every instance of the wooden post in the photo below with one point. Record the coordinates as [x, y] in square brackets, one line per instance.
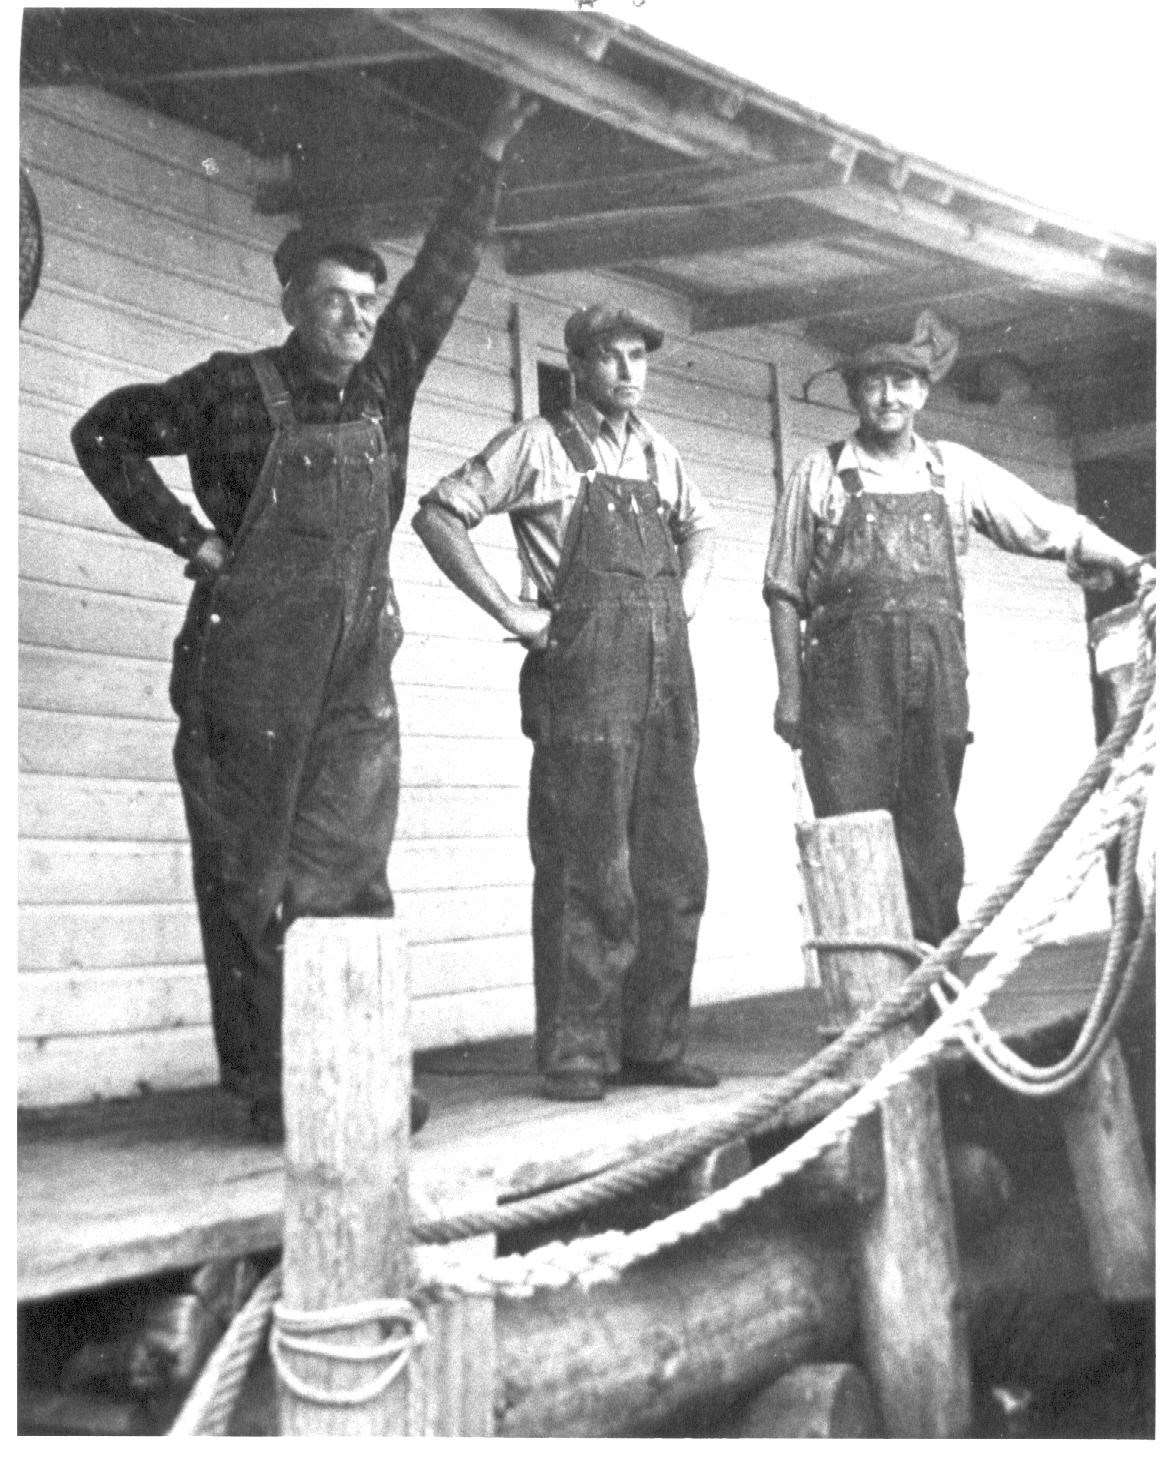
[1111, 1180]
[913, 1327]
[347, 1088]
[455, 1371]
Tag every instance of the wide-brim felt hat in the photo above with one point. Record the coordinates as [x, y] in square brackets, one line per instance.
[930, 351]
[601, 321]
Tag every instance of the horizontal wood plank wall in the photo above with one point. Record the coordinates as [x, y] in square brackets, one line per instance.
[154, 258]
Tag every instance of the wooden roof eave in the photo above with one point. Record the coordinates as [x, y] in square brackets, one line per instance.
[571, 79]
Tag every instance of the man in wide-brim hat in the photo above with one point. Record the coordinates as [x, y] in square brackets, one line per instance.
[864, 553]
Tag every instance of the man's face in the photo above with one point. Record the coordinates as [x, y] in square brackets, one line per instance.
[335, 314]
[611, 373]
[888, 399]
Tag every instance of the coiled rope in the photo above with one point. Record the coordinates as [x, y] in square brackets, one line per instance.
[209, 1405]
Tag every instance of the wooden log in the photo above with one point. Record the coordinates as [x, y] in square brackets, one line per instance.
[831, 1399]
[347, 1086]
[713, 1318]
[729, 1313]
[913, 1335]
[1111, 1180]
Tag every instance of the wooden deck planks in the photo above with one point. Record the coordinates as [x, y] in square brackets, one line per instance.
[123, 1189]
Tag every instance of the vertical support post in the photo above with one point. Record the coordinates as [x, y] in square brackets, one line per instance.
[456, 1384]
[912, 1316]
[526, 402]
[347, 1090]
[1110, 1171]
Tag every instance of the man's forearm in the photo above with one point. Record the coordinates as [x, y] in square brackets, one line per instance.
[696, 556]
[113, 442]
[451, 547]
[785, 630]
[1095, 548]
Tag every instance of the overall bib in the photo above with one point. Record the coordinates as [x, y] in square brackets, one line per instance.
[884, 712]
[614, 826]
[287, 749]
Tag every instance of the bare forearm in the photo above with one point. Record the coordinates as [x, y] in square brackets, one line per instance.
[785, 630]
[696, 556]
[451, 547]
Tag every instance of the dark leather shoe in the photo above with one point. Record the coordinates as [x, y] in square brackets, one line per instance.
[679, 1074]
[577, 1086]
[268, 1126]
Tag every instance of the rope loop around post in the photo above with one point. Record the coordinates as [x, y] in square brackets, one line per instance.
[293, 1332]
[912, 951]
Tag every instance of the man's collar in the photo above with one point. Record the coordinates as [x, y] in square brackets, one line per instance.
[852, 458]
[297, 362]
[592, 422]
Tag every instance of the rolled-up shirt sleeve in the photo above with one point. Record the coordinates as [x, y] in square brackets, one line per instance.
[504, 476]
[693, 512]
[791, 541]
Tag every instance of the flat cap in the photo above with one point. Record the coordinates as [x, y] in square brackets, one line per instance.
[301, 248]
[930, 351]
[599, 321]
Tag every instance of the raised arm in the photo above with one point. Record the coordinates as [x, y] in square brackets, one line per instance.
[429, 294]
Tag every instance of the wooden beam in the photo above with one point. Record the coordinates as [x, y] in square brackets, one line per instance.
[619, 197]
[558, 73]
[1137, 441]
[334, 41]
[1046, 265]
[664, 233]
[848, 296]
[262, 70]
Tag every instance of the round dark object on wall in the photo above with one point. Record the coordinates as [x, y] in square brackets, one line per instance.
[31, 243]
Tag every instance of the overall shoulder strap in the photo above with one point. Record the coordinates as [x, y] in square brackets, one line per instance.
[275, 395]
[851, 478]
[575, 442]
[938, 475]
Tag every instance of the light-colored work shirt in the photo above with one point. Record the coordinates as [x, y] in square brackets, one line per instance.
[978, 494]
[526, 472]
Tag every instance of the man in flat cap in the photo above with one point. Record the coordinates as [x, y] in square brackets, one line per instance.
[863, 552]
[287, 749]
[616, 544]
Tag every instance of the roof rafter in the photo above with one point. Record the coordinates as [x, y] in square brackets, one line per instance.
[860, 296]
[621, 239]
[572, 80]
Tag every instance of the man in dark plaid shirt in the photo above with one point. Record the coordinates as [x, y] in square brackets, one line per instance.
[288, 741]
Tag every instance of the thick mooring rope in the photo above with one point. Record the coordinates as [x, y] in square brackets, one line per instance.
[211, 1402]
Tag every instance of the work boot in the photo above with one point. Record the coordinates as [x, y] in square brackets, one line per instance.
[268, 1125]
[675, 1074]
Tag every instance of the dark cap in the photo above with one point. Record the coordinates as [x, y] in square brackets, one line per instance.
[930, 351]
[587, 326]
[302, 248]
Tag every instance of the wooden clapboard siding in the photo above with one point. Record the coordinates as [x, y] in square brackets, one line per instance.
[152, 261]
